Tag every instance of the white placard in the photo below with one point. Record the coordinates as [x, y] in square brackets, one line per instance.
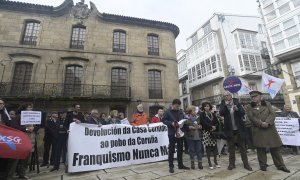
[125, 121]
[288, 130]
[31, 117]
[92, 148]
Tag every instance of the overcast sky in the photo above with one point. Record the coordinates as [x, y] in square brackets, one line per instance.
[188, 15]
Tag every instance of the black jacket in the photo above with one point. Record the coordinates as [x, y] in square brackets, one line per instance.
[207, 123]
[238, 117]
[51, 130]
[71, 117]
[169, 118]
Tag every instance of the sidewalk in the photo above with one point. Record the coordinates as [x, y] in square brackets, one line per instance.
[159, 170]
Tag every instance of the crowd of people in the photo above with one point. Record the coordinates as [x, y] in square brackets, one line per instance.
[243, 126]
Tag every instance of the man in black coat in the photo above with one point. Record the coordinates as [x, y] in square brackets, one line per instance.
[171, 118]
[234, 128]
[75, 115]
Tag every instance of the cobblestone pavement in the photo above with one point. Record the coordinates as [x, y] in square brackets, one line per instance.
[159, 170]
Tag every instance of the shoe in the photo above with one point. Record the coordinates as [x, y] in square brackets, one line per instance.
[231, 167]
[43, 165]
[200, 165]
[217, 166]
[284, 169]
[248, 168]
[54, 169]
[263, 168]
[192, 165]
[211, 167]
[24, 177]
[171, 170]
[183, 167]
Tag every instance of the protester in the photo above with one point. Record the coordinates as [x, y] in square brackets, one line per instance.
[194, 137]
[265, 135]
[158, 117]
[75, 115]
[103, 118]
[31, 131]
[171, 119]
[114, 117]
[291, 114]
[234, 129]
[209, 124]
[61, 142]
[139, 117]
[50, 139]
[94, 118]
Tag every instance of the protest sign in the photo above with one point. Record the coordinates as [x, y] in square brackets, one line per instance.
[125, 121]
[31, 117]
[92, 148]
[288, 130]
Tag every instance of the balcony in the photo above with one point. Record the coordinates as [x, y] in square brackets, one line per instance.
[57, 90]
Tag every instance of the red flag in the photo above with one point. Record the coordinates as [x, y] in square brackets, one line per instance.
[14, 144]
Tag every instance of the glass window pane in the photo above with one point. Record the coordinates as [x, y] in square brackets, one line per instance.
[294, 40]
[78, 37]
[283, 9]
[154, 84]
[31, 33]
[153, 47]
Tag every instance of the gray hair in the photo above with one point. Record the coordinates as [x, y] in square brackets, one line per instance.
[94, 111]
[227, 92]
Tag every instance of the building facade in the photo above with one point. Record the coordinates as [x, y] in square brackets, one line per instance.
[281, 20]
[55, 56]
[226, 45]
[184, 91]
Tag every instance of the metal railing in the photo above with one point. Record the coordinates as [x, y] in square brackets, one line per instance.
[61, 90]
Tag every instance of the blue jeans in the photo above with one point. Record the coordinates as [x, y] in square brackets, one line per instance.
[195, 148]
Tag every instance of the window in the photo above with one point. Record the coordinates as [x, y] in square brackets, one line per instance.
[194, 73]
[21, 78]
[78, 37]
[283, 9]
[293, 40]
[279, 45]
[296, 3]
[253, 86]
[153, 48]
[184, 88]
[246, 62]
[248, 40]
[155, 86]
[237, 44]
[73, 80]
[260, 29]
[198, 71]
[241, 62]
[190, 75]
[258, 62]
[119, 42]
[269, 8]
[119, 83]
[250, 62]
[290, 27]
[31, 32]
[210, 42]
[296, 72]
[206, 29]
[194, 38]
[276, 33]
[271, 16]
[266, 2]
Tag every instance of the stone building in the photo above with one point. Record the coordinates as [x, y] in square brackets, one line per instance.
[55, 56]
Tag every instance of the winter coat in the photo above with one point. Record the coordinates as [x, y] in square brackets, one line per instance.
[238, 118]
[263, 137]
[169, 118]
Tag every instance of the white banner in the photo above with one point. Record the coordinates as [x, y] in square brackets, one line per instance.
[288, 130]
[92, 148]
[31, 117]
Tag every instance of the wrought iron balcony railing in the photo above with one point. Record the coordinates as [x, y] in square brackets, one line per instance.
[8, 89]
